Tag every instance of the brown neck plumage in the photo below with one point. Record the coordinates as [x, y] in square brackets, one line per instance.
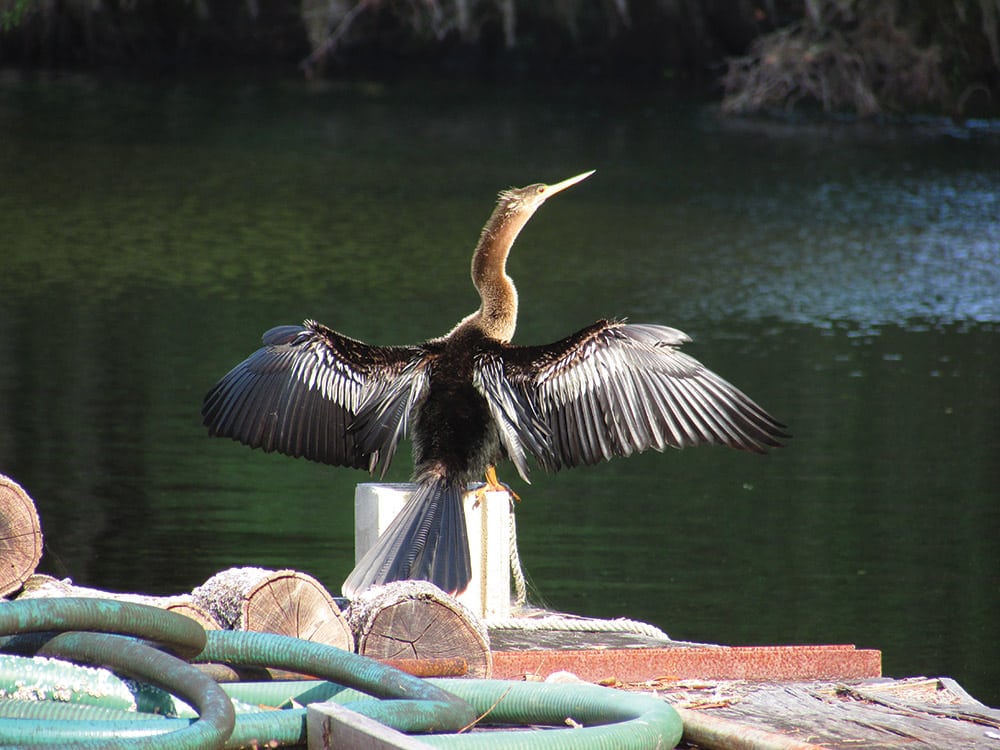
[497, 314]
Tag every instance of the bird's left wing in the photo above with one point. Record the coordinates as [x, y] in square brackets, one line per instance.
[613, 389]
[311, 392]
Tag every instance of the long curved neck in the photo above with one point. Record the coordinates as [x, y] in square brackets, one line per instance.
[497, 314]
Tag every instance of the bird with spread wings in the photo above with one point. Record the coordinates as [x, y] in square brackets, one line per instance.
[471, 398]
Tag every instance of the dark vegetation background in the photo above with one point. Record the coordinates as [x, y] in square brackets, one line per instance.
[867, 57]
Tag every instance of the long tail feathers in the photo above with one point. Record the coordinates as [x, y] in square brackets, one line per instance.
[427, 541]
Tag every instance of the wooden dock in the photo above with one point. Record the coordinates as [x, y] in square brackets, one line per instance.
[915, 713]
[762, 698]
[730, 698]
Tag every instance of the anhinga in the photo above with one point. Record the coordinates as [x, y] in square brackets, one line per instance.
[471, 398]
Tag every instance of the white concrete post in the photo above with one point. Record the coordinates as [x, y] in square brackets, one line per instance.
[488, 522]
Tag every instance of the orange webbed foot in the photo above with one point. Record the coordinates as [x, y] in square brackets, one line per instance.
[492, 484]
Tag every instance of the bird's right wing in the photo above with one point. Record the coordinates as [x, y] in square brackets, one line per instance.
[311, 392]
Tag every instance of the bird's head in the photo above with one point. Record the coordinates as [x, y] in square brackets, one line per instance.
[526, 200]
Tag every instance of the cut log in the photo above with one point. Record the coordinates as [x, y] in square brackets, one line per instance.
[267, 601]
[46, 587]
[20, 536]
[417, 620]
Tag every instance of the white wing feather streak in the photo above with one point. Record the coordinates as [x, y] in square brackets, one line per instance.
[617, 388]
[517, 422]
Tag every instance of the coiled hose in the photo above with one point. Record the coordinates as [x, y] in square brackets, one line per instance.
[610, 718]
[418, 705]
[127, 656]
[177, 633]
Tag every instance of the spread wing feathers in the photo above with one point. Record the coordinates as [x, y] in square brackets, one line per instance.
[311, 392]
[517, 418]
[383, 417]
[613, 389]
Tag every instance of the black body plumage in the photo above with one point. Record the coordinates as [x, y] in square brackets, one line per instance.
[470, 399]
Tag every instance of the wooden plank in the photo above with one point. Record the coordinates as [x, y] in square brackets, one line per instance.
[787, 663]
[330, 726]
[916, 714]
[704, 730]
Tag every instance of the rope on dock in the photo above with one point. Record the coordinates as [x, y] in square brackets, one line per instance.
[543, 620]
[572, 623]
[520, 584]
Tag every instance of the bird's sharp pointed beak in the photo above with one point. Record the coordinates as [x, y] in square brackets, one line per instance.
[559, 186]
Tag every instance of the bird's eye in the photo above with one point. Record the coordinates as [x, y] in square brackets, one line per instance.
[540, 189]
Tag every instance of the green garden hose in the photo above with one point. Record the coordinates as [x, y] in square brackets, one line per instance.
[34, 681]
[252, 730]
[127, 656]
[609, 718]
[416, 705]
[601, 717]
[140, 661]
[180, 634]
[57, 710]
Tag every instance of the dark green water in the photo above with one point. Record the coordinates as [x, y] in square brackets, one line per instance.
[846, 276]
